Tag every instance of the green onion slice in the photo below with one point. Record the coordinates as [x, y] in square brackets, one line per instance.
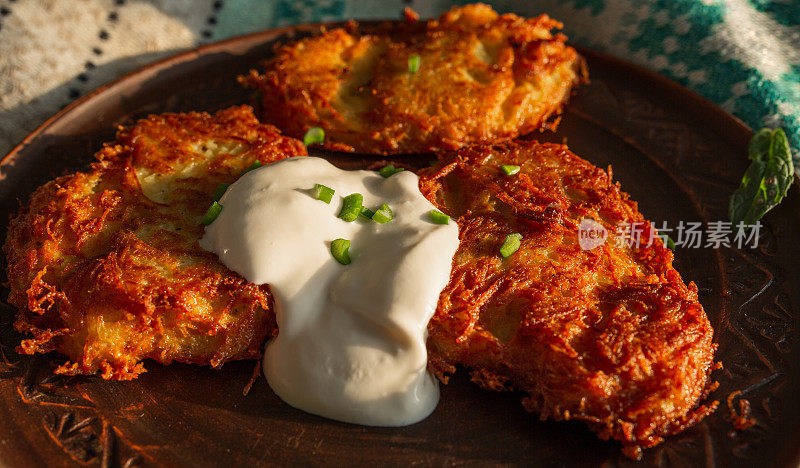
[413, 64]
[383, 214]
[323, 193]
[314, 136]
[668, 242]
[211, 214]
[389, 170]
[340, 249]
[255, 165]
[351, 207]
[220, 191]
[511, 244]
[509, 169]
[367, 213]
[437, 217]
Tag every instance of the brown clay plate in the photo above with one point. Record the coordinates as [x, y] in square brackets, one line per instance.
[678, 155]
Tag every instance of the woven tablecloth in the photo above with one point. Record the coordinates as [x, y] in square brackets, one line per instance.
[743, 55]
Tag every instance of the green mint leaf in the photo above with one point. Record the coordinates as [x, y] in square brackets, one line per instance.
[759, 145]
[766, 181]
[780, 165]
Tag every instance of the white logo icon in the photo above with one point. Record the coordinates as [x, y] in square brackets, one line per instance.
[591, 234]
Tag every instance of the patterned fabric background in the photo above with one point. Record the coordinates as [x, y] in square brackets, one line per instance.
[743, 55]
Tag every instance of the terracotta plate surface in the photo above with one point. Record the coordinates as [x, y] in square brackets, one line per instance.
[675, 153]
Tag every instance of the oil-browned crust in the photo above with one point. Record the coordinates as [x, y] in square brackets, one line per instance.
[611, 336]
[482, 78]
[109, 277]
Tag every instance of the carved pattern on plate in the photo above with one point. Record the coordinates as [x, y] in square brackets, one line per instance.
[74, 434]
[70, 419]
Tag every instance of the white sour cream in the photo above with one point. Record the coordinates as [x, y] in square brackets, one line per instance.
[351, 341]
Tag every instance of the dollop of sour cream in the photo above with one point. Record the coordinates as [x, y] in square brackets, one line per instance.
[351, 341]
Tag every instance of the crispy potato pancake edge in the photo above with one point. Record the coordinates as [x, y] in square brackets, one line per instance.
[126, 232]
[611, 336]
[482, 78]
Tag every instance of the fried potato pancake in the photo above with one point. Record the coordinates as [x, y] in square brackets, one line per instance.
[611, 336]
[105, 266]
[482, 78]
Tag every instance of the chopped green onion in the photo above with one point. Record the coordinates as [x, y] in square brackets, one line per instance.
[383, 214]
[511, 244]
[509, 169]
[211, 214]
[351, 207]
[389, 170]
[367, 213]
[323, 193]
[340, 249]
[220, 191]
[437, 217]
[255, 165]
[413, 64]
[314, 135]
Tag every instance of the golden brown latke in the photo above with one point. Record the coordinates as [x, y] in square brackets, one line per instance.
[482, 78]
[105, 267]
[610, 336]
